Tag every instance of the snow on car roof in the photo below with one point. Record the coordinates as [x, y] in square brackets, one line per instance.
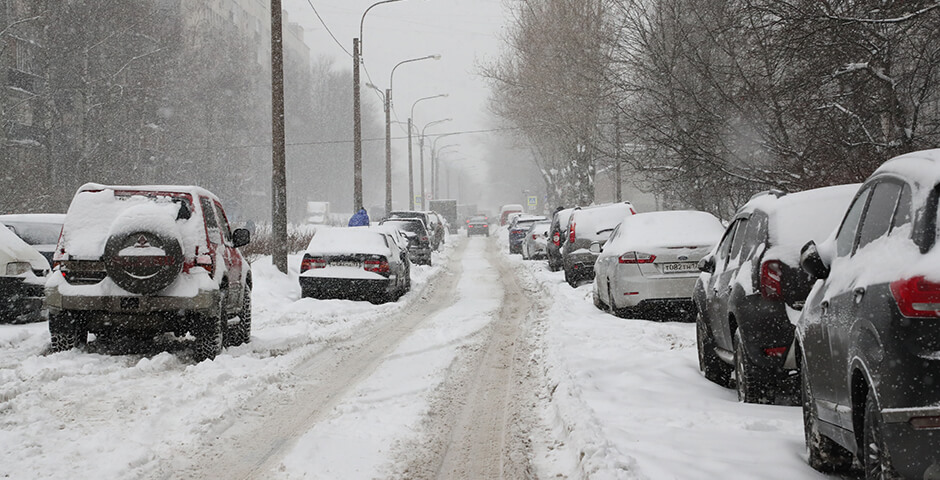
[51, 218]
[600, 218]
[672, 228]
[348, 240]
[190, 189]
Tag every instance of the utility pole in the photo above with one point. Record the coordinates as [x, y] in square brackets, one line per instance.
[411, 173]
[421, 154]
[279, 175]
[357, 131]
[388, 150]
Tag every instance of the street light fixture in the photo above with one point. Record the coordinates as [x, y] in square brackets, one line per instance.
[411, 177]
[421, 152]
[388, 128]
[357, 113]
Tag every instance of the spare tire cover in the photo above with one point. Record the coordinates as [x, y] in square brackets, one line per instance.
[143, 262]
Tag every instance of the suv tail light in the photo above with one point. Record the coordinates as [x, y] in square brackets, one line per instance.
[637, 257]
[771, 276]
[556, 239]
[571, 235]
[377, 266]
[206, 262]
[309, 263]
[917, 297]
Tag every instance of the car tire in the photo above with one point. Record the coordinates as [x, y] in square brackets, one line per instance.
[611, 308]
[823, 454]
[751, 381]
[570, 278]
[876, 460]
[711, 365]
[240, 333]
[67, 330]
[208, 332]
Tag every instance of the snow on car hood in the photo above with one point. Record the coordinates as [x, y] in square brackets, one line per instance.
[14, 249]
[93, 217]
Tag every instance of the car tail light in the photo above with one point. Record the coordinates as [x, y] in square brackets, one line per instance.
[377, 266]
[775, 351]
[424, 239]
[556, 239]
[632, 211]
[637, 257]
[485, 226]
[206, 262]
[771, 276]
[921, 423]
[535, 236]
[917, 297]
[571, 235]
[309, 263]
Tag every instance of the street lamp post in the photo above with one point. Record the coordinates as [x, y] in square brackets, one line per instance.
[435, 167]
[411, 178]
[388, 128]
[357, 113]
[421, 151]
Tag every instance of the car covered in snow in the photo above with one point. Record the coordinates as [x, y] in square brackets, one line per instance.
[23, 272]
[517, 230]
[586, 226]
[535, 240]
[359, 263]
[41, 230]
[145, 260]
[419, 246]
[868, 338]
[751, 285]
[557, 234]
[506, 210]
[478, 225]
[649, 265]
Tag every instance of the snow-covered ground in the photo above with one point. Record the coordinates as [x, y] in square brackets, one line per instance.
[617, 398]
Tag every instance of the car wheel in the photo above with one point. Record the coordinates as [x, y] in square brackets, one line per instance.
[67, 330]
[875, 457]
[711, 365]
[208, 333]
[824, 454]
[611, 308]
[570, 278]
[750, 380]
[241, 332]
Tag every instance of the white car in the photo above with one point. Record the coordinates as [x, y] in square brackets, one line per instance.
[535, 241]
[23, 272]
[41, 230]
[649, 264]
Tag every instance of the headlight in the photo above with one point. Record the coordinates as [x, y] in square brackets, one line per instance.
[18, 268]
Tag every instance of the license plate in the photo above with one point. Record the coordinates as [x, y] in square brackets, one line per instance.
[345, 263]
[685, 267]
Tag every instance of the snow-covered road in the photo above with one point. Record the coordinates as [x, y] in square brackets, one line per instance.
[491, 367]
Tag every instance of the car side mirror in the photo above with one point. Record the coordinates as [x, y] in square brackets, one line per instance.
[707, 264]
[241, 237]
[596, 248]
[812, 263]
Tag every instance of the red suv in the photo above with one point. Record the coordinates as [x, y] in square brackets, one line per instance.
[148, 260]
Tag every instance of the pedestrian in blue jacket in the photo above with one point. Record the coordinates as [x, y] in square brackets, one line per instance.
[360, 219]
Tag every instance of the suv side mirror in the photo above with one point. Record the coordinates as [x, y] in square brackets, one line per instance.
[707, 264]
[241, 237]
[596, 248]
[812, 263]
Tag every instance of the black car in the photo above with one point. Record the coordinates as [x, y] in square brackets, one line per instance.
[419, 247]
[557, 234]
[868, 340]
[586, 226]
[750, 282]
[518, 228]
[478, 225]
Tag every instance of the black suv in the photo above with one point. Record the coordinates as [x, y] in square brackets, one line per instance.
[868, 341]
[751, 281]
[144, 260]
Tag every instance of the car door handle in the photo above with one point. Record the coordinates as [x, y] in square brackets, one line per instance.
[859, 293]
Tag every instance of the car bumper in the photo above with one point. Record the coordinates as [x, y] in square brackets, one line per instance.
[764, 324]
[631, 289]
[133, 312]
[915, 453]
[19, 300]
[347, 288]
[580, 264]
[478, 231]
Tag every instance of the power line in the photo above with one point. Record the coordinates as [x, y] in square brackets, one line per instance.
[328, 28]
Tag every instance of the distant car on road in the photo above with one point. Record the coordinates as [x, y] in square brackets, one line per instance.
[649, 265]
[868, 336]
[361, 263]
[23, 272]
[41, 230]
[750, 283]
[478, 225]
[589, 225]
[535, 240]
[507, 209]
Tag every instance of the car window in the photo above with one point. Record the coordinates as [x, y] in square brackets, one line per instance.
[223, 224]
[846, 237]
[738, 243]
[902, 214]
[724, 248]
[754, 234]
[877, 218]
[212, 225]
